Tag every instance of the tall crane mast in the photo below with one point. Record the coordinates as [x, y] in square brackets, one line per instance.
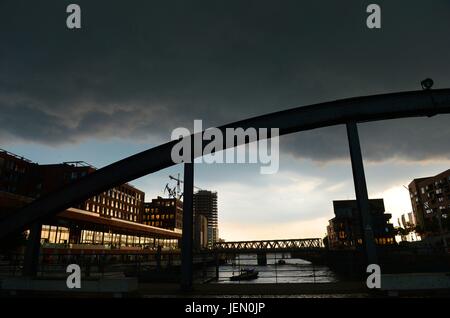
[179, 181]
[175, 192]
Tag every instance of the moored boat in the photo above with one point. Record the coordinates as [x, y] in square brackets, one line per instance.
[245, 274]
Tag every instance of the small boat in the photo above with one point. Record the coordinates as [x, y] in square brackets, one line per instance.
[245, 274]
[281, 262]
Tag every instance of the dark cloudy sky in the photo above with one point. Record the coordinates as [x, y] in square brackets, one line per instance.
[137, 70]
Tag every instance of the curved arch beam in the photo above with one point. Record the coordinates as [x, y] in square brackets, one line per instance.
[359, 109]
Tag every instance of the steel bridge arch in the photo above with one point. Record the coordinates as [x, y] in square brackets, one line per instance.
[353, 110]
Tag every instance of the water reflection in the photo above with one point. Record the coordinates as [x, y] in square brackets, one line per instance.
[280, 268]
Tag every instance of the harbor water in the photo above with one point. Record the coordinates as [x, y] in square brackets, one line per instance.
[280, 268]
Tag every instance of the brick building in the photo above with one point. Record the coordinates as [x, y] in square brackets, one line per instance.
[100, 219]
[166, 213]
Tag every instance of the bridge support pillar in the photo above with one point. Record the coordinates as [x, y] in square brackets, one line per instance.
[158, 258]
[216, 258]
[31, 261]
[187, 235]
[362, 197]
[262, 258]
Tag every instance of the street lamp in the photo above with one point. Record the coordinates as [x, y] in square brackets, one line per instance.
[427, 84]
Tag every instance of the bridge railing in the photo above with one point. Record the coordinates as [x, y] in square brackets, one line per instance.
[165, 268]
[93, 265]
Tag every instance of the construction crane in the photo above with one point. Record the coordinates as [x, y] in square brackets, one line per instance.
[179, 181]
[175, 192]
[172, 192]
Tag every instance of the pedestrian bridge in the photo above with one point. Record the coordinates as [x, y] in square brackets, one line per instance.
[349, 112]
[291, 245]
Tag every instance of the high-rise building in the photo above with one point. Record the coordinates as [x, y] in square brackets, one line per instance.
[205, 203]
[200, 232]
[430, 200]
[345, 229]
[165, 213]
[407, 221]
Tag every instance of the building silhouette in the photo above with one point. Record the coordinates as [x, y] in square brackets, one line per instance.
[165, 213]
[345, 230]
[430, 200]
[205, 204]
[200, 232]
[14, 172]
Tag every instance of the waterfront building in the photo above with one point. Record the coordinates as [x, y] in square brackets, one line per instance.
[430, 201]
[345, 229]
[112, 219]
[166, 213]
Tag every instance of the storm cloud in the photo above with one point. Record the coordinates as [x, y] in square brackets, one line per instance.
[141, 69]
